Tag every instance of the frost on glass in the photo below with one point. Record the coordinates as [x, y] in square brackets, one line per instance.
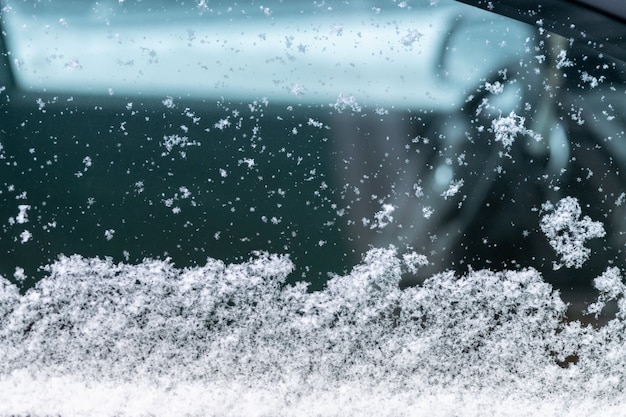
[399, 209]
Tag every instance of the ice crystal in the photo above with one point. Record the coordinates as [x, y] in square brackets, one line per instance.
[563, 60]
[494, 88]
[345, 102]
[25, 236]
[453, 189]
[169, 102]
[506, 129]
[419, 190]
[567, 232]
[593, 81]
[383, 217]
[73, 65]
[171, 141]
[222, 123]
[109, 233]
[22, 215]
[411, 36]
[297, 90]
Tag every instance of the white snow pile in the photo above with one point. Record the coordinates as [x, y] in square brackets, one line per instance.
[106, 339]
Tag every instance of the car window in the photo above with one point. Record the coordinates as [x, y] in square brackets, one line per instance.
[309, 208]
[245, 129]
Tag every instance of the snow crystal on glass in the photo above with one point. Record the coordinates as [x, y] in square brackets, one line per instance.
[611, 287]
[506, 129]
[172, 141]
[220, 340]
[453, 189]
[567, 232]
[383, 217]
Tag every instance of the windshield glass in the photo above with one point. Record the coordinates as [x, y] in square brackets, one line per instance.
[403, 201]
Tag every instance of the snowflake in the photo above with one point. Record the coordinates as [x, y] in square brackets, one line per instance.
[593, 81]
[563, 61]
[169, 102]
[222, 123]
[297, 90]
[108, 234]
[411, 36]
[507, 128]
[73, 65]
[247, 161]
[22, 216]
[383, 217]
[419, 191]
[25, 236]
[495, 88]
[346, 102]
[19, 274]
[315, 123]
[567, 233]
[453, 189]
[172, 141]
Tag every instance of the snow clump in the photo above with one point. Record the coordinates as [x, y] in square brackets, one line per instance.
[99, 338]
[506, 129]
[567, 232]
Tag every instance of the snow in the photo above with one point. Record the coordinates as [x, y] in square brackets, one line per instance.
[494, 88]
[593, 81]
[453, 189]
[567, 232]
[506, 129]
[383, 217]
[169, 102]
[610, 286]
[22, 215]
[170, 142]
[410, 37]
[106, 339]
[346, 102]
[563, 60]
[25, 236]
